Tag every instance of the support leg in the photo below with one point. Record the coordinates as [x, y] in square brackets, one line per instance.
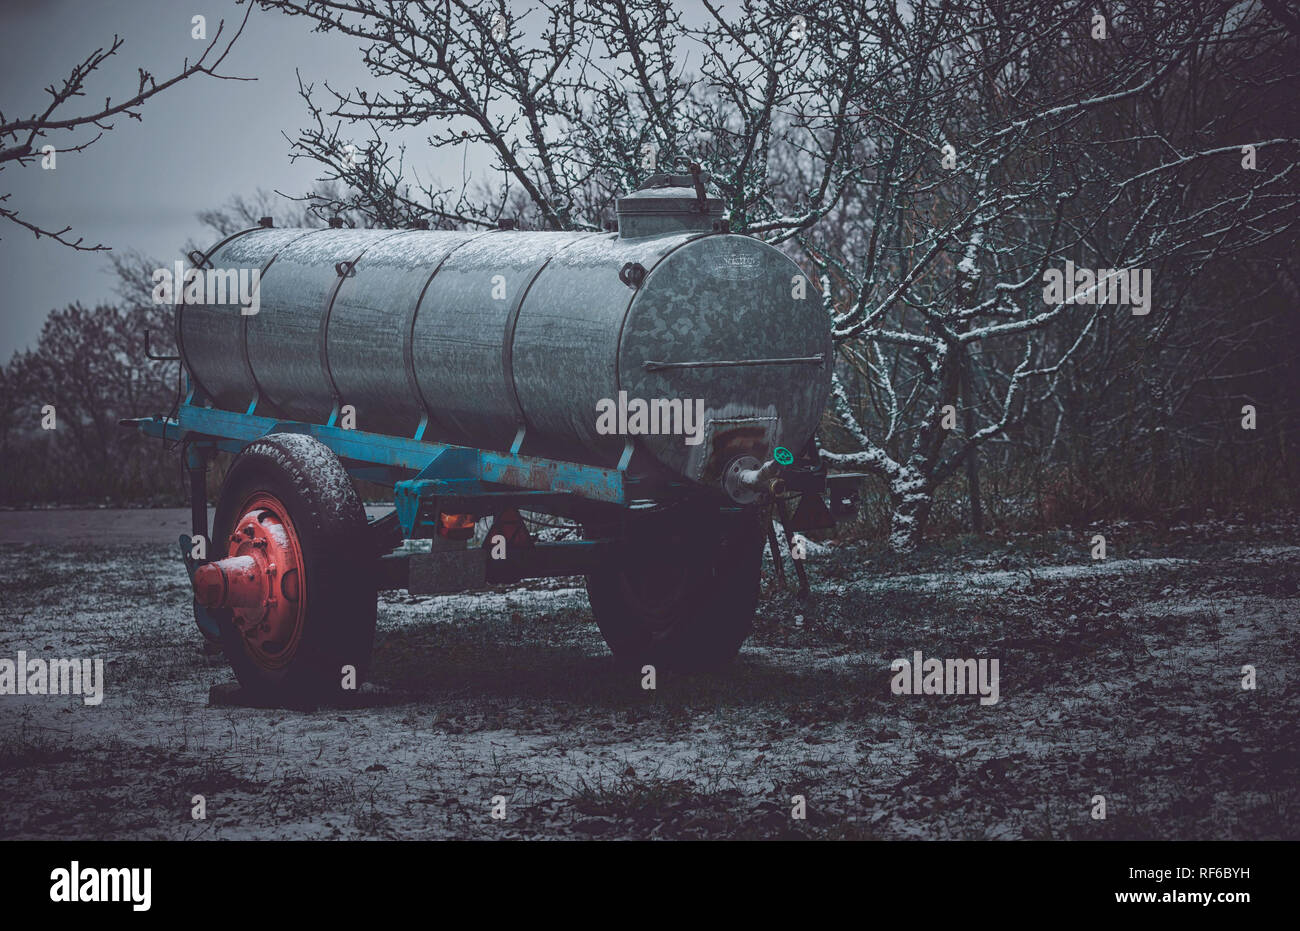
[196, 464]
[197, 467]
[775, 547]
[789, 540]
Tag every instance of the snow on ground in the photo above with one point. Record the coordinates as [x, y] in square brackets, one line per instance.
[1120, 678]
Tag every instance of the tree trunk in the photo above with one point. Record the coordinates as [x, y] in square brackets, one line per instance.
[910, 515]
[972, 457]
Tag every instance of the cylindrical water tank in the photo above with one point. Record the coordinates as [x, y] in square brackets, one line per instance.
[485, 332]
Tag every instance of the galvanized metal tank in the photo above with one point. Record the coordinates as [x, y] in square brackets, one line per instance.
[485, 332]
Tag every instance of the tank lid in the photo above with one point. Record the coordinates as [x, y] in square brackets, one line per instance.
[668, 203]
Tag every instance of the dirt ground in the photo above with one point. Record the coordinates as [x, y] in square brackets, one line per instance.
[1120, 678]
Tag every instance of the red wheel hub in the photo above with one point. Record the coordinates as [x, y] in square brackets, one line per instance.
[260, 581]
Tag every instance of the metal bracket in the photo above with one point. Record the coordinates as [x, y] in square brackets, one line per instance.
[149, 353]
[438, 573]
[701, 198]
[632, 274]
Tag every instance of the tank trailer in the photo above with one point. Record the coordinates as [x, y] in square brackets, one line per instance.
[658, 386]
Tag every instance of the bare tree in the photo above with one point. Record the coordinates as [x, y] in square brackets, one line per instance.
[87, 371]
[20, 138]
[571, 104]
[1006, 141]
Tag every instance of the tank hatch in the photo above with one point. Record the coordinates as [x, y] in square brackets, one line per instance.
[671, 203]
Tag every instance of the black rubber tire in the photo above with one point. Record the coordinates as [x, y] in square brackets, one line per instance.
[696, 621]
[342, 600]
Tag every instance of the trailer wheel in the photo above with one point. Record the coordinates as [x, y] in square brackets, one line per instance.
[684, 600]
[301, 595]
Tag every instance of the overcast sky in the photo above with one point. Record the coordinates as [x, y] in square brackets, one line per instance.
[141, 185]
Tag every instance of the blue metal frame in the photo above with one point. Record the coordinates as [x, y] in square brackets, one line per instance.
[442, 471]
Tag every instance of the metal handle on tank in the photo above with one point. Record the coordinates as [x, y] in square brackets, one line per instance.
[732, 363]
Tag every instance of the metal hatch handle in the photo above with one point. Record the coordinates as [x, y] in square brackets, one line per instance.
[701, 198]
[818, 360]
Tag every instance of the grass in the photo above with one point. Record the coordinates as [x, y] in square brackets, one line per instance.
[1118, 683]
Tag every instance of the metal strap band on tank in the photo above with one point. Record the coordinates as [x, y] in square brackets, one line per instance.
[408, 331]
[180, 305]
[345, 272]
[258, 394]
[508, 338]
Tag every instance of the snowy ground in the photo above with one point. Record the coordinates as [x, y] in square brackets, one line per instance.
[1119, 678]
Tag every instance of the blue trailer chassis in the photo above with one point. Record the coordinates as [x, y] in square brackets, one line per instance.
[420, 471]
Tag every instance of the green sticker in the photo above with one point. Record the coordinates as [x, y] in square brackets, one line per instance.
[783, 455]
